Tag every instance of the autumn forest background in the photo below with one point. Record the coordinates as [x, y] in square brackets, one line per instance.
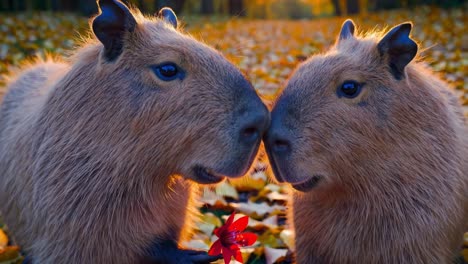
[266, 40]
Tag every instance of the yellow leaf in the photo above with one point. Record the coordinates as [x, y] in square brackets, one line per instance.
[3, 240]
[288, 238]
[227, 190]
[257, 210]
[211, 219]
[211, 198]
[465, 254]
[10, 255]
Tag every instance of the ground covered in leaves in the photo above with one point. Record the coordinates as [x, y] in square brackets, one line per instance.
[267, 52]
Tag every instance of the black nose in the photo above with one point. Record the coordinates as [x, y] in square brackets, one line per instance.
[254, 125]
[277, 142]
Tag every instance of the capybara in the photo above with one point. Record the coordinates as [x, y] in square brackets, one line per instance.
[375, 146]
[98, 154]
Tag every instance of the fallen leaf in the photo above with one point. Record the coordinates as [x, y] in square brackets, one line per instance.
[256, 209]
[287, 236]
[227, 190]
[3, 239]
[273, 254]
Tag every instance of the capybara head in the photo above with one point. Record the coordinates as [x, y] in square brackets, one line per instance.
[353, 111]
[165, 98]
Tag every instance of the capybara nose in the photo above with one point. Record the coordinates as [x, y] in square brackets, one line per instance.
[277, 142]
[254, 125]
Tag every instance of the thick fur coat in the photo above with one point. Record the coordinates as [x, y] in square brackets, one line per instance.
[91, 148]
[381, 175]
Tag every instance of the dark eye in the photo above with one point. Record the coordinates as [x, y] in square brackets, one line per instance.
[167, 71]
[349, 89]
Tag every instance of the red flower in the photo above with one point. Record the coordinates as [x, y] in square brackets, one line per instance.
[231, 237]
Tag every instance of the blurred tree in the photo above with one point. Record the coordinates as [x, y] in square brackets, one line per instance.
[221, 7]
[206, 7]
[346, 7]
[353, 7]
[386, 4]
[29, 5]
[255, 9]
[88, 7]
[294, 9]
[142, 5]
[236, 8]
[192, 7]
[442, 3]
[15, 5]
[252, 8]
[69, 5]
[343, 7]
[364, 6]
[176, 5]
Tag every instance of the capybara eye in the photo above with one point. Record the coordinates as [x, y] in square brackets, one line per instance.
[167, 71]
[349, 89]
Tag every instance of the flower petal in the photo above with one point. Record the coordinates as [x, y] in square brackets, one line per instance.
[240, 224]
[238, 256]
[230, 251]
[233, 248]
[227, 254]
[215, 249]
[220, 230]
[246, 239]
[229, 220]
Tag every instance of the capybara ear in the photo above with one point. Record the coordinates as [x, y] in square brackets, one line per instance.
[168, 15]
[111, 25]
[347, 30]
[399, 48]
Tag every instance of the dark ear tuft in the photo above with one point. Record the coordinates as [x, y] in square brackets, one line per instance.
[398, 48]
[111, 25]
[168, 15]
[347, 30]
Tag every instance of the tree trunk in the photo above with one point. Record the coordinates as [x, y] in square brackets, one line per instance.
[18, 5]
[386, 4]
[336, 5]
[141, 5]
[207, 7]
[352, 7]
[55, 5]
[176, 5]
[29, 5]
[88, 7]
[236, 8]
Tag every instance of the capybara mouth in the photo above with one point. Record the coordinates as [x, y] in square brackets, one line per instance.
[206, 176]
[276, 171]
[273, 164]
[241, 166]
[307, 185]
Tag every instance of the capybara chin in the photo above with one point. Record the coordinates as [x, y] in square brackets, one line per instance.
[97, 154]
[376, 147]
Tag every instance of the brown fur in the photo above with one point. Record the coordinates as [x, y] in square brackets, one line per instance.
[393, 160]
[90, 150]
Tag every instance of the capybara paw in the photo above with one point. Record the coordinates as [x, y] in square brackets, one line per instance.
[201, 257]
[181, 256]
[167, 252]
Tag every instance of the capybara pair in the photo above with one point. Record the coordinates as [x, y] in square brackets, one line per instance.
[90, 148]
[376, 147]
